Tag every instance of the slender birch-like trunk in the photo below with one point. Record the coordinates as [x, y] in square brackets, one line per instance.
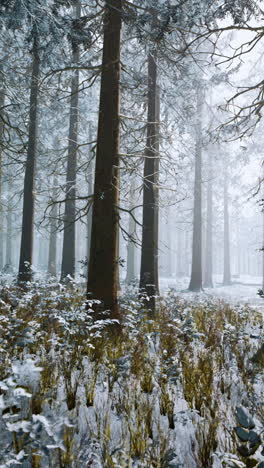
[69, 234]
[196, 273]
[52, 259]
[208, 274]
[149, 251]
[26, 247]
[227, 273]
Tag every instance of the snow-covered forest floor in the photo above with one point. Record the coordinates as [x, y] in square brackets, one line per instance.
[181, 389]
[242, 290]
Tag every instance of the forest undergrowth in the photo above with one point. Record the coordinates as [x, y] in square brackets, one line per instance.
[183, 388]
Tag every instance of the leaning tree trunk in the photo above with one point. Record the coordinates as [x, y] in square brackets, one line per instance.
[196, 273]
[52, 258]
[26, 247]
[148, 274]
[103, 263]
[227, 273]
[208, 274]
[68, 246]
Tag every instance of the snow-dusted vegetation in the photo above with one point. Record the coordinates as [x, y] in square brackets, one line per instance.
[182, 388]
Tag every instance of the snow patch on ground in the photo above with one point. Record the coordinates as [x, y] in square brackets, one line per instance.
[243, 290]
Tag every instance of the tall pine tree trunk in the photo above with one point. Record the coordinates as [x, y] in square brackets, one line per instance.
[9, 237]
[238, 245]
[196, 273]
[26, 247]
[156, 190]
[52, 258]
[2, 103]
[148, 274]
[179, 267]
[186, 262]
[103, 262]
[227, 273]
[68, 246]
[89, 212]
[208, 274]
[263, 249]
[130, 273]
[168, 252]
[9, 227]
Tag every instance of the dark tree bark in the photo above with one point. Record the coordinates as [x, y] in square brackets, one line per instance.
[9, 238]
[263, 250]
[103, 264]
[2, 103]
[52, 259]
[149, 250]
[68, 246]
[26, 247]
[118, 260]
[89, 212]
[196, 273]
[208, 274]
[9, 228]
[227, 273]
[130, 273]
[156, 191]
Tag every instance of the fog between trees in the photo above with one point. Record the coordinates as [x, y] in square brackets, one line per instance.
[131, 144]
